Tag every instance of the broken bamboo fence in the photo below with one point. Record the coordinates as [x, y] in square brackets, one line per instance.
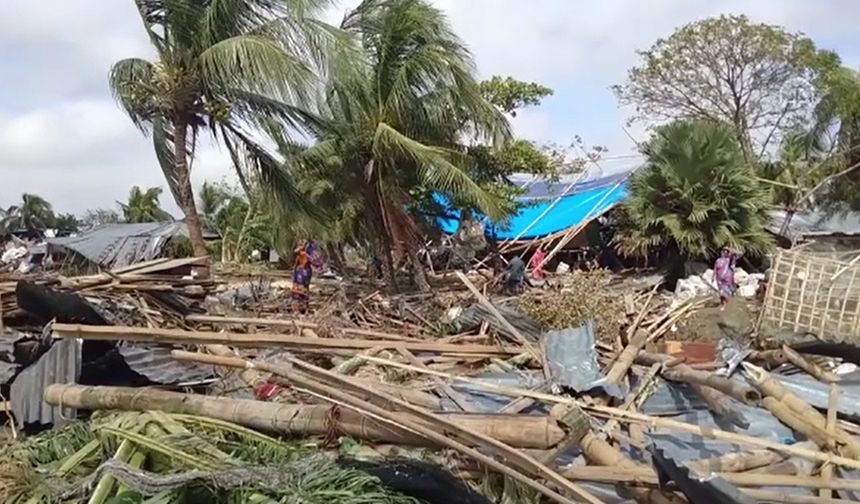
[813, 292]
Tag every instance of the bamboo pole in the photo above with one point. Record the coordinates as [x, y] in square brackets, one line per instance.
[540, 432]
[219, 320]
[626, 357]
[298, 343]
[737, 461]
[599, 452]
[812, 369]
[685, 374]
[437, 435]
[629, 416]
[830, 427]
[769, 386]
[790, 418]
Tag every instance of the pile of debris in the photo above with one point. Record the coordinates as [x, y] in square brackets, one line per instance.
[589, 401]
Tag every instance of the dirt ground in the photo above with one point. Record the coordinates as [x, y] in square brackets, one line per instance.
[711, 324]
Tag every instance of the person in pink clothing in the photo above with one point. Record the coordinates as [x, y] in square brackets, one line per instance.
[536, 263]
[724, 275]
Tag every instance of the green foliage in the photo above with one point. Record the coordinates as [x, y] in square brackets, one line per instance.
[509, 94]
[195, 459]
[231, 68]
[34, 213]
[695, 195]
[143, 206]
[396, 111]
[756, 77]
[242, 225]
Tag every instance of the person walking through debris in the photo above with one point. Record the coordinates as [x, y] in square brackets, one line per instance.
[537, 262]
[302, 273]
[515, 275]
[724, 275]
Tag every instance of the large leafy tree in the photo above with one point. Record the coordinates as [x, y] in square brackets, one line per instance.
[32, 213]
[695, 195]
[230, 67]
[398, 114]
[144, 206]
[756, 77]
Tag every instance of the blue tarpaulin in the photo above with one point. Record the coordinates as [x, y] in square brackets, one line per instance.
[578, 202]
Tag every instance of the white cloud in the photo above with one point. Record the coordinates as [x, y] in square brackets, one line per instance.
[62, 136]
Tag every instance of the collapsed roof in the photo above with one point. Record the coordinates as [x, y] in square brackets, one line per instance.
[118, 245]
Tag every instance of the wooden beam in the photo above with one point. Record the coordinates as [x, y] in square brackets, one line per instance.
[297, 343]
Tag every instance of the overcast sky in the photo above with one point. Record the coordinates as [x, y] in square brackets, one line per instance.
[63, 137]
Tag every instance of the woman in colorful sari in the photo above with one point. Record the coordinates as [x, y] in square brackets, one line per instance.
[302, 273]
[724, 275]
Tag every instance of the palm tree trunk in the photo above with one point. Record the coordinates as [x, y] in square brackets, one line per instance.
[382, 241]
[186, 193]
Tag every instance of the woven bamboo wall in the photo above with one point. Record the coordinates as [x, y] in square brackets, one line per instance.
[815, 293]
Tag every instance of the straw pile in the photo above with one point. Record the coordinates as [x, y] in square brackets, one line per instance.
[585, 295]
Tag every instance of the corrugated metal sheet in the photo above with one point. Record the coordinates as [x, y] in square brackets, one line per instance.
[571, 357]
[60, 364]
[809, 224]
[474, 315]
[156, 364]
[117, 245]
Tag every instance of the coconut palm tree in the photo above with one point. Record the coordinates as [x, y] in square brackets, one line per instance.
[695, 195]
[34, 213]
[397, 117]
[229, 67]
[143, 206]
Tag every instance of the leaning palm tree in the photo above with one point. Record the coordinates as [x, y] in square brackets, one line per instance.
[143, 206]
[398, 114]
[227, 66]
[34, 213]
[695, 195]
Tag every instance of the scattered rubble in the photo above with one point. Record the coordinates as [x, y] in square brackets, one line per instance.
[595, 388]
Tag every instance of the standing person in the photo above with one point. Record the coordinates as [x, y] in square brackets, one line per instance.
[536, 263]
[514, 276]
[724, 274]
[302, 273]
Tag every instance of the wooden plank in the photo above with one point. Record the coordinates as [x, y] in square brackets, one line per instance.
[292, 323]
[177, 336]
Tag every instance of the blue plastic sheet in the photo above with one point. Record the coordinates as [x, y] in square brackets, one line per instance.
[579, 203]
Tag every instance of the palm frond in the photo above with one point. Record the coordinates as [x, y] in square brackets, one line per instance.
[130, 81]
[437, 167]
[257, 64]
[696, 194]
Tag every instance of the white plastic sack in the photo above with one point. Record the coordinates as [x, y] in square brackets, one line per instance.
[13, 254]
